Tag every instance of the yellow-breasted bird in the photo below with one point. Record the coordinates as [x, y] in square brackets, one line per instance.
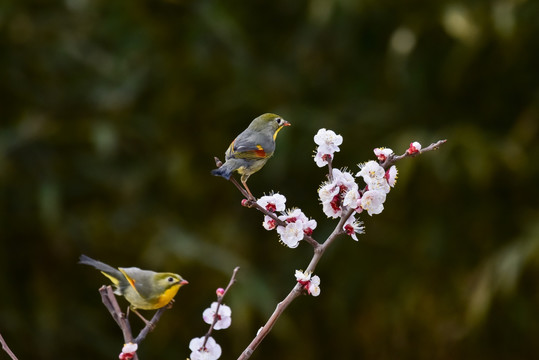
[251, 149]
[143, 289]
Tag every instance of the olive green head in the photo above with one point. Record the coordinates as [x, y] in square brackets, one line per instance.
[268, 122]
[164, 281]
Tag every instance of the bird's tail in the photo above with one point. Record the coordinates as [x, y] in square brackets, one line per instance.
[113, 274]
[224, 171]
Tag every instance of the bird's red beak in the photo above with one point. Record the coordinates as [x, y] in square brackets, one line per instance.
[184, 282]
[286, 123]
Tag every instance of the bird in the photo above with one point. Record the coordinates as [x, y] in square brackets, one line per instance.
[251, 149]
[143, 289]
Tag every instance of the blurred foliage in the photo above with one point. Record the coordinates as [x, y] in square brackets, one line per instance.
[111, 113]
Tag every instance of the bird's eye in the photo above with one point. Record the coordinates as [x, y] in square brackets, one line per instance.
[279, 120]
[170, 279]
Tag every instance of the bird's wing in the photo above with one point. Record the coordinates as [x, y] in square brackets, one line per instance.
[245, 148]
[140, 280]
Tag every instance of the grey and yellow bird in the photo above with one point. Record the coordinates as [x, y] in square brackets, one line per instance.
[251, 149]
[143, 289]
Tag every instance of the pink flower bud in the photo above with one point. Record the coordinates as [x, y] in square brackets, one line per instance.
[245, 203]
[220, 292]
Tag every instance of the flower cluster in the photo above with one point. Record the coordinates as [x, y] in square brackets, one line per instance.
[297, 223]
[309, 284]
[219, 317]
[328, 143]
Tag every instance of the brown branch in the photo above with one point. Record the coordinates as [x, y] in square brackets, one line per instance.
[319, 250]
[7, 349]
[219, 302]
[110, 302]
[251, 203]
[391, 159]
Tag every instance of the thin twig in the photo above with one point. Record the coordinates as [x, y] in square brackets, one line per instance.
[391, 159]
[110, 302]
[149, 327]
[7, 349]
[219, 302]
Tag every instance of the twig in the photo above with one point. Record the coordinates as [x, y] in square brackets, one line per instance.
[219, 302]
[248, 202]
[391, 159]
[149, 327]
[110, 302]
[319, 250]
[7, 349]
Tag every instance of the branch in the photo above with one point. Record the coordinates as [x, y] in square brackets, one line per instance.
[219, 302]
[296, 291]
[319, 250]
[7, 349]
[251, 203]
[394, 158]
[110, 302]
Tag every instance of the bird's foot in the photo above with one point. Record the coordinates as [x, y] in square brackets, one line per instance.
[148, 323]
[170, 304]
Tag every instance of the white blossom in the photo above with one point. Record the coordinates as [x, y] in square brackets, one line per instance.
[269, 223]
[224, 318]
[303, 277]
[382, 153]
[371, 171]
[373, 201]
[328, 143]
[291, 234]
[352, 199]
[391, 176]
[332, 193]
[212, 350]
[314, 286]
[353, 227]
[274, 202]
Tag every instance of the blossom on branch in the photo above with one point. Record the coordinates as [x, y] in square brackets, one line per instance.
[352, 227]
[128, 351]
[314, 286]
[382, 153]
[414, 148]
[211, 351]
[391, 175]
[309, 284]
[224, 318]
[269, 223]
[291, 234]
[298, 225]
[328, 143]
[273, 202]
[373, 201]
[332, 193]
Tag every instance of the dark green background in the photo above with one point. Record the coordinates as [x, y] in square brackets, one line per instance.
[111, 113]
